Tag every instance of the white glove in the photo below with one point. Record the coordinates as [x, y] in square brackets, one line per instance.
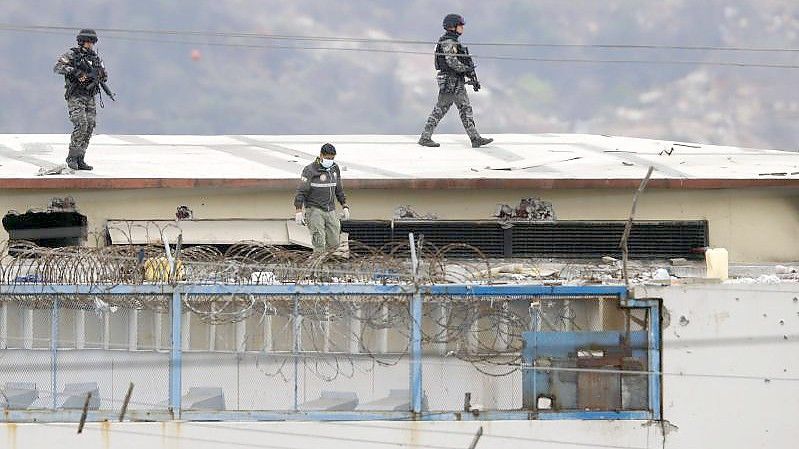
[299, 218]
[345, 213]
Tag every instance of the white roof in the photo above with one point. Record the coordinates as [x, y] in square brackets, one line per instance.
[384, 157]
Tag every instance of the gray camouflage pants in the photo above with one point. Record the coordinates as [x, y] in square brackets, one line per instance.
[83, 115]
[451, 90]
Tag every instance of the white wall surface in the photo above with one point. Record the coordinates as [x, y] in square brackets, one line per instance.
[349, 435]
[734, 336]
[749, 333]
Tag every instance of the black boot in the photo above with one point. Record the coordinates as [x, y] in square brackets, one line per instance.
[82, 165]
[73, 163]
[480, 141]
[428, 142]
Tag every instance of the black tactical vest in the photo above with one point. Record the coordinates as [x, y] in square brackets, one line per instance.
[85, 61]
[441, 60]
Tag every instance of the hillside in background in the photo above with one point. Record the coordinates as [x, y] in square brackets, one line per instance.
[244, 86]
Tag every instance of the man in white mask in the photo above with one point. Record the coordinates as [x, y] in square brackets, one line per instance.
[319, 188]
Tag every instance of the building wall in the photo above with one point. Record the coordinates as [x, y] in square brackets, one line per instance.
[747, 338]
[755, 225]
[731, 380]
[351, 435]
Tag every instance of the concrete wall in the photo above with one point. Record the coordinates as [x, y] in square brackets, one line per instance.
[748, 333]
[739, 219]
[731, 380]
[350, 435]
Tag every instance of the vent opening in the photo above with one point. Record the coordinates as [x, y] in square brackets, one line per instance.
[562, 239]
[50, 229]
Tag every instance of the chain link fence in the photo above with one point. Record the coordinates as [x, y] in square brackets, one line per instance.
[57, 348]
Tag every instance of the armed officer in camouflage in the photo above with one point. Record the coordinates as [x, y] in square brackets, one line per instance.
[84, 74]
[319, 188]
[454, 65]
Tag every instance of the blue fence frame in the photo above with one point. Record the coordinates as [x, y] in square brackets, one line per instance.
[415, 375]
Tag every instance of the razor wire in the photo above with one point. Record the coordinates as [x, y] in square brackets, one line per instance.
[486, 332]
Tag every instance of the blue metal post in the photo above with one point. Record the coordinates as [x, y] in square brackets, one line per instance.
[176, 355]
[416, 353]
[655, 378]
[535, 324]
[295, 349]
[54, 351]
[416, 335]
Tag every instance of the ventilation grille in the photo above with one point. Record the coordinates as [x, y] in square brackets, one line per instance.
[597, 239]
[563, 239]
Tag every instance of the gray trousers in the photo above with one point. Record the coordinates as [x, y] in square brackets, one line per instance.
[451, 91]
[83, 115]
[325, 229]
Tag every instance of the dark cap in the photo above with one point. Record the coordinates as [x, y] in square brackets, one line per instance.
[328, 149]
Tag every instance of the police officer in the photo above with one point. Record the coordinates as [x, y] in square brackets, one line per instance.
[83, 71]
[454, 65]
[319, 188]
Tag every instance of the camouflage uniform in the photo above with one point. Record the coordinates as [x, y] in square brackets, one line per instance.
[80, 98]
[452, 67]
[83, 115]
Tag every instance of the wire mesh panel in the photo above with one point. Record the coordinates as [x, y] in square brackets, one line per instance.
[481, 354]
[64, 346]
[598, 364]
[302, 353]
[471, 349]
[26, 358]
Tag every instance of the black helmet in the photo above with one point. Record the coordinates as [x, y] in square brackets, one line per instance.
[453, 20]
[328, 149]
[87, 35]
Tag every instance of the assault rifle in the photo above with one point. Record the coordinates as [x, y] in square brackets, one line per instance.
[96, 73]
[471, 75]
[473, 81]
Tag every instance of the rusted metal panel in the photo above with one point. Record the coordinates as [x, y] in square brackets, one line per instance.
[595, 390]
[598, 391]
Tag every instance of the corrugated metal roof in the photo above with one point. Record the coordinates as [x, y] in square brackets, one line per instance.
[383, 161]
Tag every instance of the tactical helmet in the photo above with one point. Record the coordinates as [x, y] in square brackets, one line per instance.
[87, 35]
[328, 149]
[453, 20]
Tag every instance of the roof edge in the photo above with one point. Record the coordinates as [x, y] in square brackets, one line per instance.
[49, 183]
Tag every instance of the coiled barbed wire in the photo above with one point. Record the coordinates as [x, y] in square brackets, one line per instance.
[241, 263]
[487, 333]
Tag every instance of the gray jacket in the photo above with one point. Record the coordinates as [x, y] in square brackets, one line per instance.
[320, 187]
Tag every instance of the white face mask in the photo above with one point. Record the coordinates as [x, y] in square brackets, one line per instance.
[327, 163]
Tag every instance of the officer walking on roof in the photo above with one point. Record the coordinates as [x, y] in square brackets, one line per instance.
[84, 74]
[319, 188]
[454, 65]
